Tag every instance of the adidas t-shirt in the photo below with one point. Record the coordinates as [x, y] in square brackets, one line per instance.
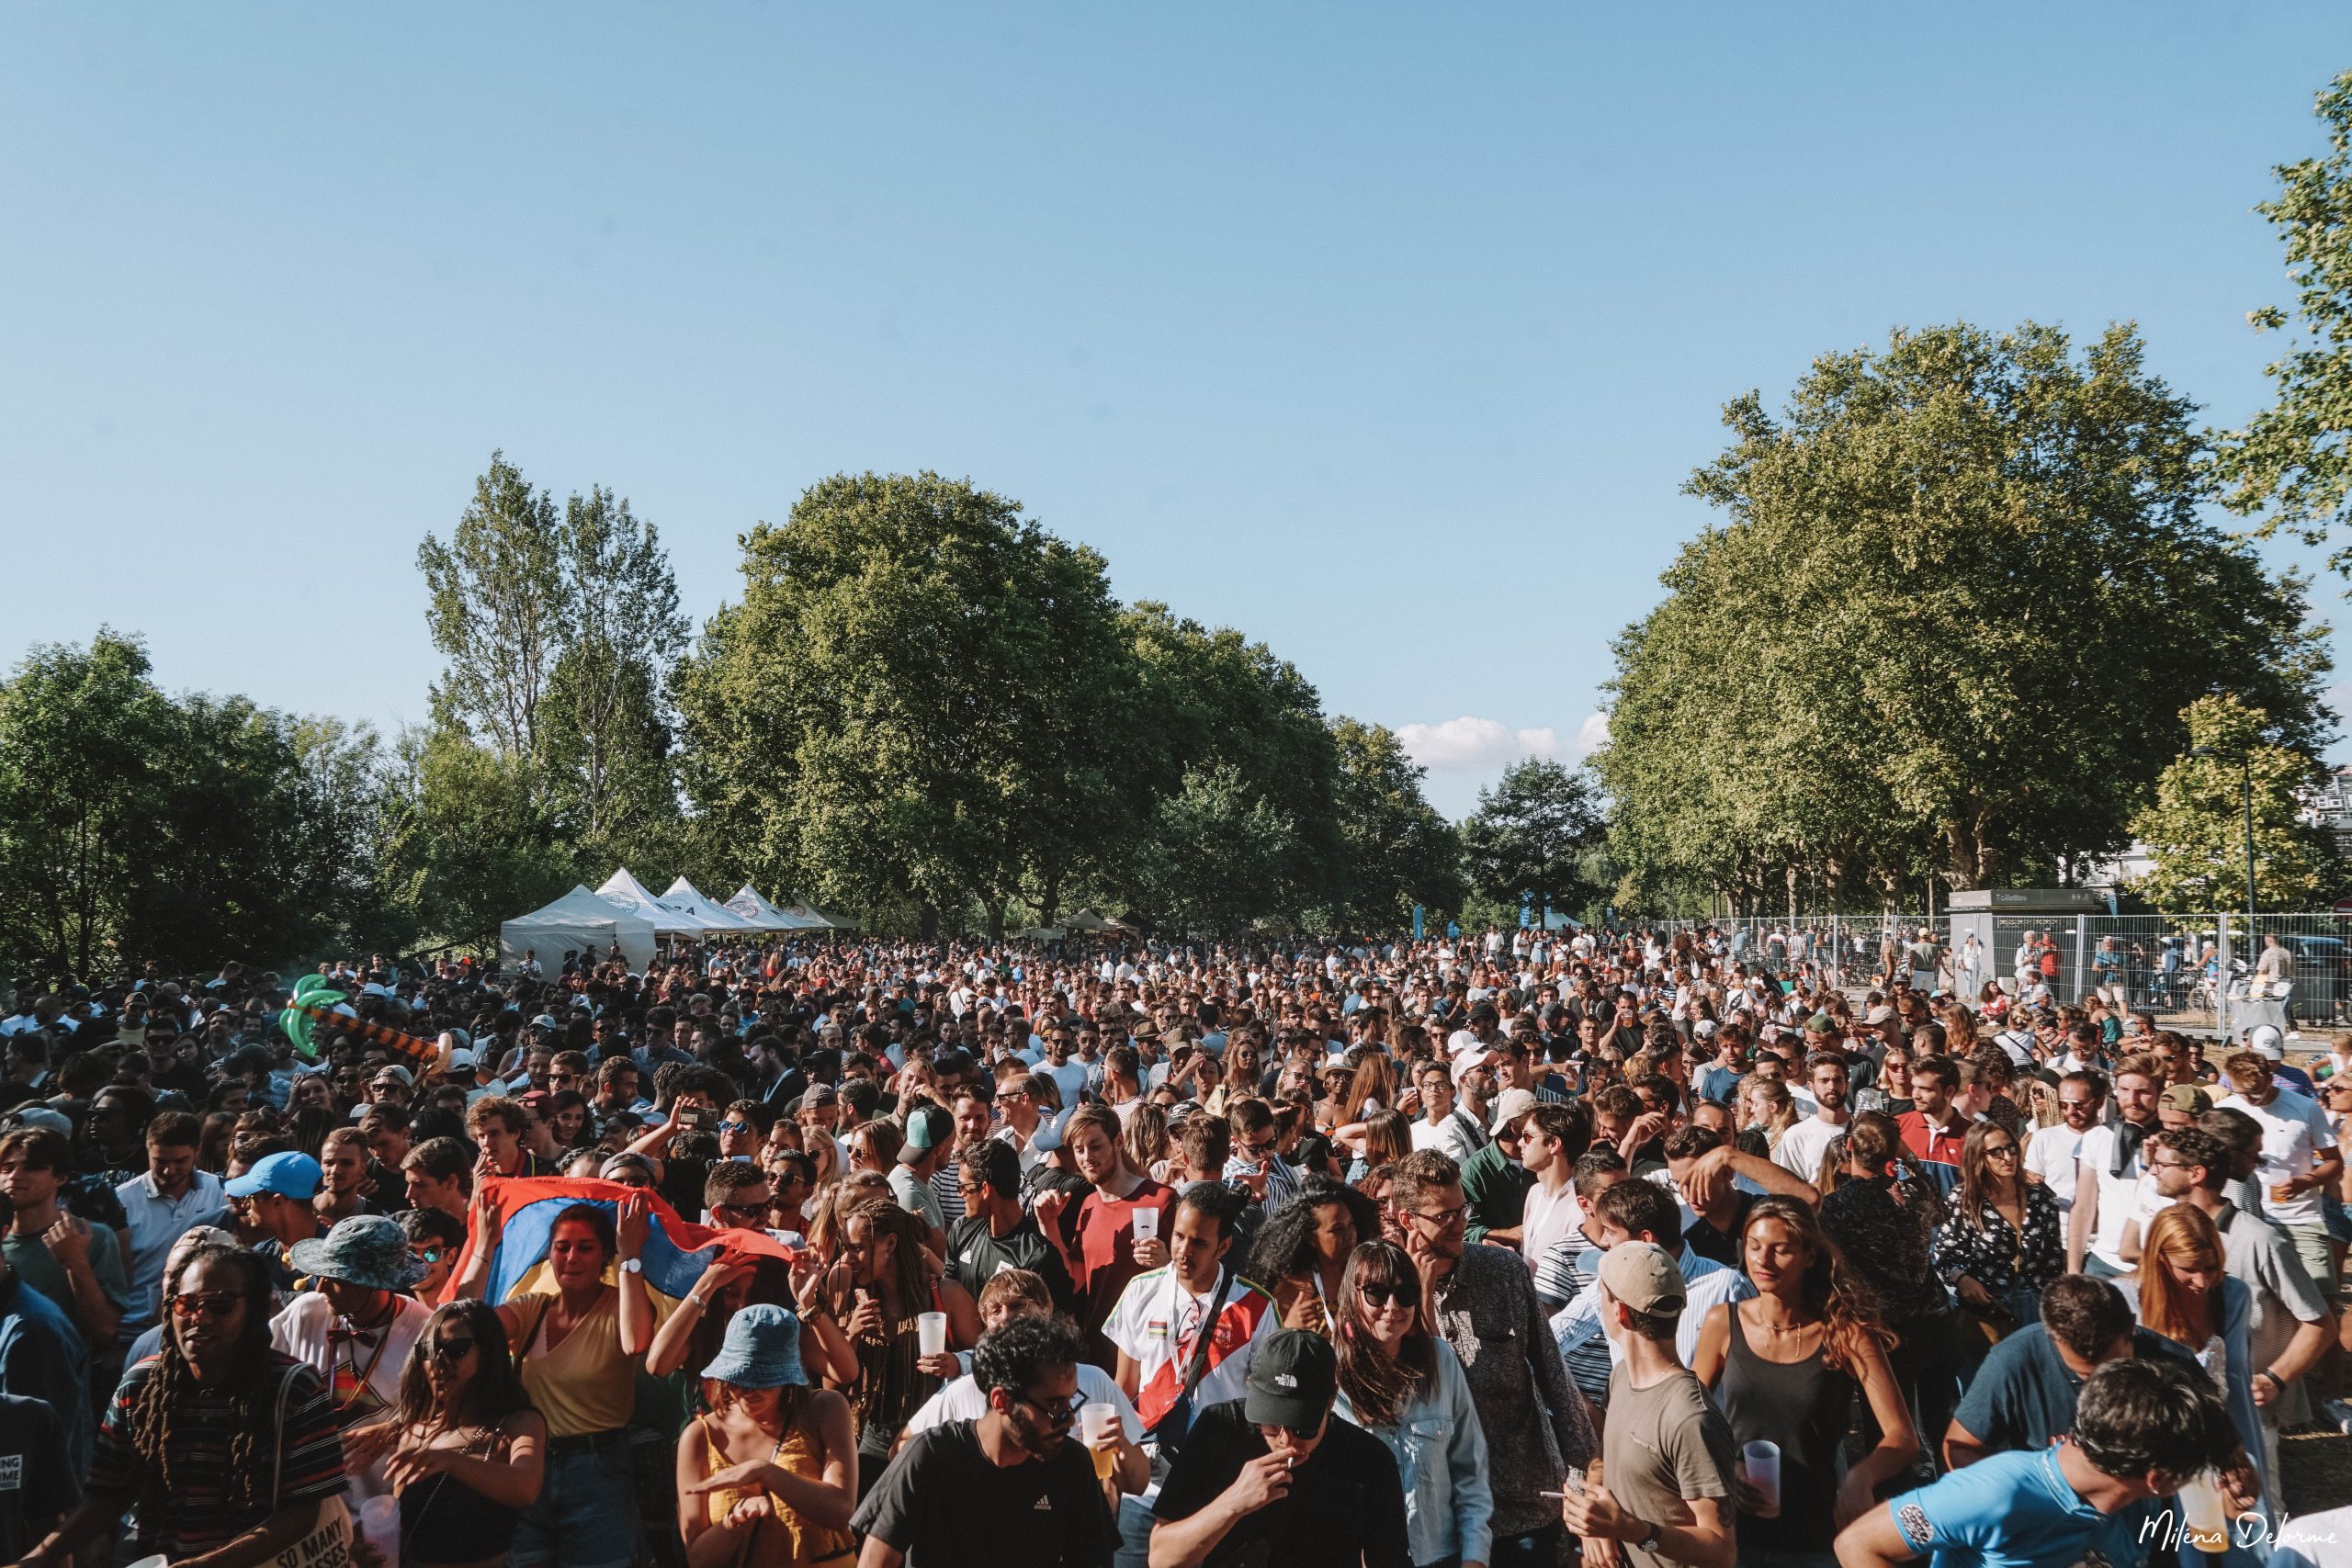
[1151, 1323]
[943, 1501]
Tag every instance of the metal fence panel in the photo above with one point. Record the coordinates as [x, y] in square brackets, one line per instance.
[2190, 971]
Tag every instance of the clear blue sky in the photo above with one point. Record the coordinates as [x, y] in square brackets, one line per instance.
[1384, 334]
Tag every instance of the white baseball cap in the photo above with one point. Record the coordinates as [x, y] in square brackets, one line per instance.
[2265, 1039]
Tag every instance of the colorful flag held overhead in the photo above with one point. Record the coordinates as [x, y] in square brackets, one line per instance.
[675, 1254]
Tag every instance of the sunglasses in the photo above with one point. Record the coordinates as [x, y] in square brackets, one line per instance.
[734, 1126]
[206, 1303]
[431, 1255]
[453, 1350]
[1376, 1295]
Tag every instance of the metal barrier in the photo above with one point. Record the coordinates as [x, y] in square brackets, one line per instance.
[2190, 971]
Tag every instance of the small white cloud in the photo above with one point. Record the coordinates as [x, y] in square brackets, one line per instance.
[1470, 745]
[1479, 745]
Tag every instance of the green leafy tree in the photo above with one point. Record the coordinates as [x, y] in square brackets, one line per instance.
[466, 843]
[1397, 850]
[260, 839]
[1219, 857]
[915, 700]
[2293, 461]
[2195, 826]
[1878, 664]
[499, 611]
[1224, 721]
[1531, 834]
[605, 730]
[84, 747]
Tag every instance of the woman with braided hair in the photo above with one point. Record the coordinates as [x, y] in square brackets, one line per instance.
[226, 1446]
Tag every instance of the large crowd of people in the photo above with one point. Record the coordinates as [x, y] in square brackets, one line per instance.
[1494, 1250]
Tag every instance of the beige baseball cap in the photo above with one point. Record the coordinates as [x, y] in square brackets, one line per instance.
[1644, 1277]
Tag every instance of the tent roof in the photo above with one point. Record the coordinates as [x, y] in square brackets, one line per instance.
[578, 917]
[1088, 921]
[580, 906]
[748, 904]
[628, 892]
[830, 922]
[687, 899]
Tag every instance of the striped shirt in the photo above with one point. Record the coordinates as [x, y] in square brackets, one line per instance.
[200, 1517]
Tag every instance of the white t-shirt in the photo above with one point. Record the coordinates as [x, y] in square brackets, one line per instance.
[2050, 1155]
[2118, 1195]
[963, 1401]
[2294, 1130]
[1547, 1219]
[1802, 1146]
[1150, 1325]
[1453, 1133]
[303, 1330]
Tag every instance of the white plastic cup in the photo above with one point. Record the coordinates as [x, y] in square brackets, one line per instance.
[1763, 1463]
[2204, 1515]
[158, 1561]
[1147, 1224]
[379, 1522]
[931, 1332]
[1096, 1420]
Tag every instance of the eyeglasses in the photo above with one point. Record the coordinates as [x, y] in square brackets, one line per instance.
[453, 1350]
[1257, 1150]
[1442, 1218]
[1056, 1412]
[1377, 1294]
[1992, 1150]
[206, 1303]
[734, 1126]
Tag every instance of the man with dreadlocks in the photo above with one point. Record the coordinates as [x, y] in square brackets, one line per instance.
[225, 1447]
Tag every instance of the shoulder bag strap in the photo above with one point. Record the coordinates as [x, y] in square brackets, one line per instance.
[1199, 1369]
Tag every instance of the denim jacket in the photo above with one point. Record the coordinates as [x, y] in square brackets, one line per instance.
[1440, 1452]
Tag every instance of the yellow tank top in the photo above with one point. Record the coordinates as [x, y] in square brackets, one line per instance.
[801, 1544]
[584, 1385]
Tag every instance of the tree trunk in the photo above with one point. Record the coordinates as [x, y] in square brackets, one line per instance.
[930, 921]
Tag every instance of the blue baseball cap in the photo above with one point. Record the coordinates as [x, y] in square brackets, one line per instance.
[288, 1175]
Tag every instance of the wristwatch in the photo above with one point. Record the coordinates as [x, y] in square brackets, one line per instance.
[1650, 1532]
[632, 1266]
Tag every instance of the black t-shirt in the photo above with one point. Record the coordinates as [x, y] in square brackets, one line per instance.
[36, 1481]
[974, 1257]
[943, 1501]
[1346, 1505]
[1720, 1246]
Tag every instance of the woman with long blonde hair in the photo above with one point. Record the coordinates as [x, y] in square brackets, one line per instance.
[1785, 1367]
[1767, 1105]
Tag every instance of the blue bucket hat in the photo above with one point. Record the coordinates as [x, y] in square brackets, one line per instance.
[762, 1349]
[367, 1250]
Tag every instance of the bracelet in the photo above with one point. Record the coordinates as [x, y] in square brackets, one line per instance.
[2276, 1381]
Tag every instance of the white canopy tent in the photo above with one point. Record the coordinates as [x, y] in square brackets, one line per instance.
[580, 921]
[748, 905]
[717, 918]
[626, 892]
[819, 919]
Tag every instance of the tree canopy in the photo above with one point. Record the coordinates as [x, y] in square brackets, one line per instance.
[1962, 590]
